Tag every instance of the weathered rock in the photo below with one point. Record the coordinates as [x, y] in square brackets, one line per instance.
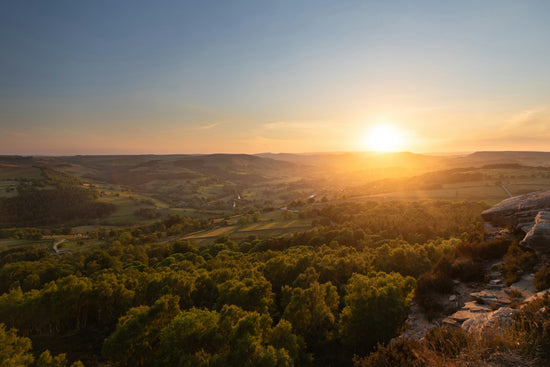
[538, 237]
[449, 322]
[473, 306]
[518, 211]
[492, 233]
[492, 296]
[535, 296]
[490, 321]
[471, 310]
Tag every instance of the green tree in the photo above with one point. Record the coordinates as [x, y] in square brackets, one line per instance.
[232, 337]
[14, 350]
[192, 339]
[376, 308]
[312, 311]
[248, 345]
[110, 298]
[137, 335]
[253, 294]
[47, 360]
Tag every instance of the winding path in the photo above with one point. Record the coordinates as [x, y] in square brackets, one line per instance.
[507, 191]
[55, 246]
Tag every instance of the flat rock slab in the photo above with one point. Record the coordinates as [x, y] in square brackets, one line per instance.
[475, 307]
[464, 315]
[492, 296]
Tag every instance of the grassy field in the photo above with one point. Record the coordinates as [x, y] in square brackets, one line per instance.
[490, 189]
[6, 244]
[10, 176]
[128, 202]
[270, 225]
[173, 186]
[523, 188]
[489, 195]
[77, 244]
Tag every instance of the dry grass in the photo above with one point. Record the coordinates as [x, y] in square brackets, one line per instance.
[454, 348]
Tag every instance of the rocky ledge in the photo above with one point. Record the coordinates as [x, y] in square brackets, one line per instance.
[529, 213]
[538, 237]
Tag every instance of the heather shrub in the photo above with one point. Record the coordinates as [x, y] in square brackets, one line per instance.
[515, 293]
[483, 250]
[447, 341]
[426, 286]
[402, 352]
[533, 321]
[542, 278]
[517, 261]
[467, 270]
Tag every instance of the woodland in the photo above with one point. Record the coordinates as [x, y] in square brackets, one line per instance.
[334, 294]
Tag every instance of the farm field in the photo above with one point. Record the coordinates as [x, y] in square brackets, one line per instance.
[489, 194]
[156, 219]
[13, 243]
[270, 225]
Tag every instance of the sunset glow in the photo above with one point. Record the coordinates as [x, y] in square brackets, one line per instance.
[384, 138]
[273, 183]
[89, 78]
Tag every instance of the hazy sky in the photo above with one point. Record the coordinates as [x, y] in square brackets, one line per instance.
[85, 77]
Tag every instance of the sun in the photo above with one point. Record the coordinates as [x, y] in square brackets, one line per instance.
[384, 138]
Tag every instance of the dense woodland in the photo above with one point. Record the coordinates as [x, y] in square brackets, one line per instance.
[54, 199]
[331, 295]
[317, 297]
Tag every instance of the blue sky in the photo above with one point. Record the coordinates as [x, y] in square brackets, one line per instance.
[251, 76]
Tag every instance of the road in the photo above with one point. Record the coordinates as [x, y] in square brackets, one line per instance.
[55, 246]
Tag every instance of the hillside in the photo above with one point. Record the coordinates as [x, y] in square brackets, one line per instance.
[227, 184]
[361, 162]
[261, 257]
[177, 180]
[503, 157]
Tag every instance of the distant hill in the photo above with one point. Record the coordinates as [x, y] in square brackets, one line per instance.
[367, 163]
[198, 181]
[407, 159]
[233, 181]
[141, 169]
[503, 157]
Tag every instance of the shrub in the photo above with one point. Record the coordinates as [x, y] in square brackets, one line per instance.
[446, 340]
[483, 250]
[533, 321]
[542, 278]
[515, 293]
[517, 261]
[402, 352]
[426, 286]
[467, 270]
[438, 282]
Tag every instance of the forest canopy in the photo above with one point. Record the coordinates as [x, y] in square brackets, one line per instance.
[311, 298]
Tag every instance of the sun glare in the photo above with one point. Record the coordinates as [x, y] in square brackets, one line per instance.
[384, 138]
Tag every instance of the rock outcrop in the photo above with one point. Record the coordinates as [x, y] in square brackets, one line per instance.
[540, 294]
[529, 213]
[538, 237]
[518, 211]
[490, 321]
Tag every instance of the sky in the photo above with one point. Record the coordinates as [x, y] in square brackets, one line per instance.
[165, 77]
